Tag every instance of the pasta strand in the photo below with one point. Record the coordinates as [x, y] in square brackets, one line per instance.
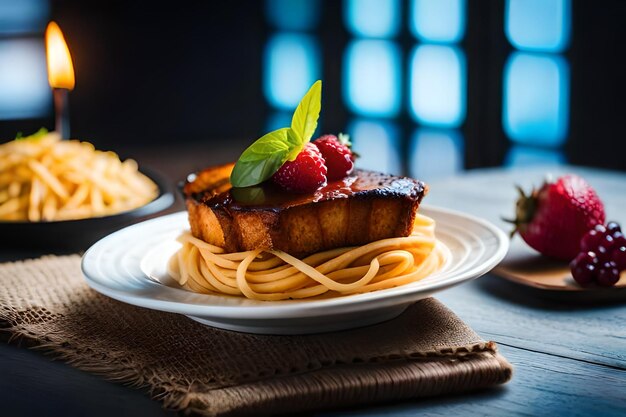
[275, 275]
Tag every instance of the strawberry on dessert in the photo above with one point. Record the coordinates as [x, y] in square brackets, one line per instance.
[337, 155]
[304, 174]
[554, 218]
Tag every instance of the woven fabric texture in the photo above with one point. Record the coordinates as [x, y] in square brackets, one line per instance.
[425, 351]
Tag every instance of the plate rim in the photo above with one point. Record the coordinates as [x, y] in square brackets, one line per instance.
[303, 308]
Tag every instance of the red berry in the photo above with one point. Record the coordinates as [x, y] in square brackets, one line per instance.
[338, 157]
[603, 254]
[608, 274]
[613, 227]
[583, 268]
[619, 239]
[590, 241]
[619, 257]
[304, 174]
[607, 242]
[584, 275]
[600, 228]
[554, 219]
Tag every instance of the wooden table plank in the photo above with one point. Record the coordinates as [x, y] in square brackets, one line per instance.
[528, 318]
[501, 311]
[31, 384]
[541, 385]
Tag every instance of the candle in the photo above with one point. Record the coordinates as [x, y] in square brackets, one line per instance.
[60, 76]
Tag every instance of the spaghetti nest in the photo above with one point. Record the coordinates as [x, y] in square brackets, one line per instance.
[275, 275]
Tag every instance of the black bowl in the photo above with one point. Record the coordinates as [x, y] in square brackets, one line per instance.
[78, 235]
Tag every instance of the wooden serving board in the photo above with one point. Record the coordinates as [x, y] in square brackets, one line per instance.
[524, 266]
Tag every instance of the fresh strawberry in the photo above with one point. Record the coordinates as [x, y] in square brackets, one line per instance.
[554, 218]
[338, 156]
[304, 174]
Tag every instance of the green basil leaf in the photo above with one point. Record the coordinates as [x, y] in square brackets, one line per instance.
[249, 195]
[295, 145]
[304, 120]
[261, 159]
[37, 135]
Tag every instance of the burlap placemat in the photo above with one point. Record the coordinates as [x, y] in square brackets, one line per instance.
[197, 369]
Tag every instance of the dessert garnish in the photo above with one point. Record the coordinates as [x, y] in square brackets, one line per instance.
[305, 173]
[602, 256]
[337, 154]
[287, 157]
[267, 154]
[554, 218]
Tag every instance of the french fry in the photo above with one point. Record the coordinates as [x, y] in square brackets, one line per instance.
[49, 209]
[12, 206]
[35, 197]
[96, 200]
[46, 178]
[50, 180]
[78, 197]
[14, 189]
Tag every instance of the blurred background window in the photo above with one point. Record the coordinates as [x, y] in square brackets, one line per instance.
[438, 77]
[428, 88]
[535, 110]
[24, 90]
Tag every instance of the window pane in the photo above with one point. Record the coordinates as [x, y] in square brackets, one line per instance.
[538, 25]
[372, 77]
[372, 18]
[23, 16]
[438, 85]
[520, 155]
[24, 89]
[293, 14]
[536, 94]
[435, 153]
[376, 142]
[438, 20]
[278, 120]
[291, 66]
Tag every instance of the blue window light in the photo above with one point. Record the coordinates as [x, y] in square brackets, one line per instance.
[520, 155]
[277, 120]
[372, 18]
[377, 144]
[291, 66]
[435, 153]
[293, 14]
[536, 96]
[438, 85]
[371, 83]
[439, 21]
[23, 16]
[24, 89]
[538, 25]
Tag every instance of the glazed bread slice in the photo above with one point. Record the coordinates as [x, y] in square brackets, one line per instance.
[361, 208]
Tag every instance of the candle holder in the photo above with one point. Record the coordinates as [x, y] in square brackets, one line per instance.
[61, 110]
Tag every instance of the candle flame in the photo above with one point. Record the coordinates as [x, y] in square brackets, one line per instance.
[60, 68]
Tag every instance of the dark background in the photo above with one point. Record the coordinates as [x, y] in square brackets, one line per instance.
[190, 72]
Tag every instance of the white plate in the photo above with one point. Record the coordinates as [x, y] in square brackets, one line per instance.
[130, 265]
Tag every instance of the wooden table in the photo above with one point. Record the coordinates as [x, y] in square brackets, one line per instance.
[569, 355]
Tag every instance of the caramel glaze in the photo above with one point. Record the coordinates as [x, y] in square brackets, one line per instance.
[269, 197]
